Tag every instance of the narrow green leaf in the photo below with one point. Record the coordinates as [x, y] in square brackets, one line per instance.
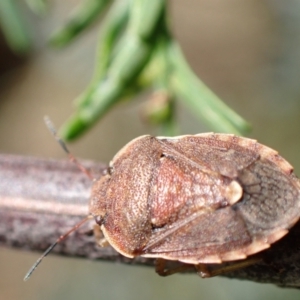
[112, 27]
[131, 55]
[201, 100]
[83, 15]
[13, 27]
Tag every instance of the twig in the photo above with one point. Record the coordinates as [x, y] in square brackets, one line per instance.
[41, 199]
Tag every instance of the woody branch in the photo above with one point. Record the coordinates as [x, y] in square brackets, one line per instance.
[42, 199]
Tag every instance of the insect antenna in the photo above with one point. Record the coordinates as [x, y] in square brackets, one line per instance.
[72, 158]
[61, 238]
[63, 145]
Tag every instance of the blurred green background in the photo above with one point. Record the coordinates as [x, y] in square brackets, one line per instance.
[248, 52]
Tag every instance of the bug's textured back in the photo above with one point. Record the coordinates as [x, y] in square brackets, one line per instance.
[218, 230]
[205, 198]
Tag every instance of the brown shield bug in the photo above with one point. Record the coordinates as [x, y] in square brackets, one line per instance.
[196, 199]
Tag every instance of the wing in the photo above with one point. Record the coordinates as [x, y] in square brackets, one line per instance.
[225, 154]
[205, 237]
[206, 228]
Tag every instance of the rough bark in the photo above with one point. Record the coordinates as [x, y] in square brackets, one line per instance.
[41, 199]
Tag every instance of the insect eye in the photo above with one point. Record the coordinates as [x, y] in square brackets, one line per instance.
[110, 170]
[99, 220]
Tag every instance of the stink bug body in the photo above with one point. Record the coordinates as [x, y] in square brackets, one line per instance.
[196, 199]
[199, 199]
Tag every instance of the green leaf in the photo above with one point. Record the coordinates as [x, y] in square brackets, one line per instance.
[83, 15]
[200, 99]
[13, 27]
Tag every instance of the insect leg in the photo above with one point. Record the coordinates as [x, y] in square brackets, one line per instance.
[160, 268]
[204, 272]
[100, 239]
